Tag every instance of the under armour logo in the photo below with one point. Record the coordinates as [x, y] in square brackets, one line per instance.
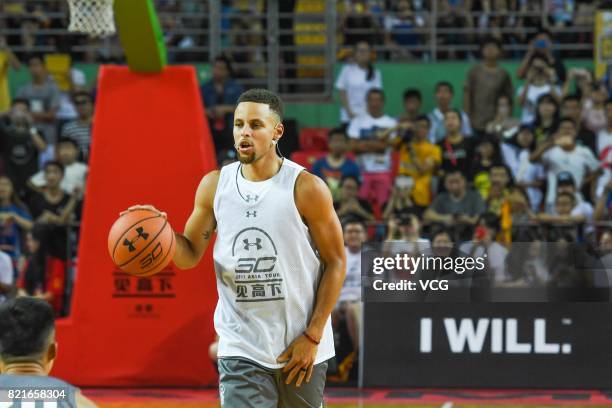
[130, 243]
[251, 214]
[248, 244]
[250, 198]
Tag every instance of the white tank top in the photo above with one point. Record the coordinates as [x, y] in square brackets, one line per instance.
[266, 265]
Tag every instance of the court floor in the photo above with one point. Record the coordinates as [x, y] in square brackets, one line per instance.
[368, 398]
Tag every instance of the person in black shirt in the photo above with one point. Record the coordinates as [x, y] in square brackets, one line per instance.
[351, 206]
[20, 144]
[456, 149]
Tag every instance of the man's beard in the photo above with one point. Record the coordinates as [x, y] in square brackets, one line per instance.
[246, 159]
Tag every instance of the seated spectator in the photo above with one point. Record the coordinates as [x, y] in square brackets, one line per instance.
[373, 151]
[540, 80]
[484, 84]
[400, 200]
[399, 27]
[528, 175]
[483, 244]
[456, 149]
[406, 228]
[581, 208]
[565, 211]
[79, 130]
[21, 143]
[76, 82]
[501, 181]
[359, 24]
[74, 170]
[43, 97]
[14, 220]
[419, 159]
[444, 99]
[28, 350]
[487, 156]
[547, 118]
[220, 95]
[349, 205]
[7, 277]
[503, 125]
[457, 204]
[355, 81]
[571, 108]
[561, 153]
[593, 107]
[413, 102]
[336, 165]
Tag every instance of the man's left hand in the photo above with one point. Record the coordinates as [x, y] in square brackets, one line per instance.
[300, 355]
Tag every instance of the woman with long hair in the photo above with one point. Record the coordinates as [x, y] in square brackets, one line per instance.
[14, 219]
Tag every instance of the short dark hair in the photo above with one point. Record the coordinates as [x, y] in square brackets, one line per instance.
[336, 131]
[228, 63]
[32, 56]
[412, 93]
[445, 84]
[23, 101]
[568, 119]
[423, 118]
[440, 229]
[490, 40]
[53, 163]
[452, 172]
[376, 91]
[353, 220]
[343, 180]
[25, 326]
[260, 95]
[64, 139]
[571, 98]
[490, 219]
[457, 112]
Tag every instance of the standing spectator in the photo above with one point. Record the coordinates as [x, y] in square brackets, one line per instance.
[565, 212]
[374, 152]
[456, 149]
[528, 175]
[456, 204]
[444, 98]
[21, 143]
[485, 83]
[43, 96]
[540, 80]
[79, 130]
[336, 166]
[541, 47]
[220, 95]
[571, 108]
[419, 159]
[7, 276]
[547, 118]
[349, 306]
[7, 59]
[14, 220]
[74, 170]
[503, 125]
[76, 82]
[561, 153]
[349, 205]
[355, 81]
[52, 208]
[413, 102]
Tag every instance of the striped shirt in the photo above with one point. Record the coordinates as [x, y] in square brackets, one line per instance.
[79, 132]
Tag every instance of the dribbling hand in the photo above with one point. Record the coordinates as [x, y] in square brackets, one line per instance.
[144, 207]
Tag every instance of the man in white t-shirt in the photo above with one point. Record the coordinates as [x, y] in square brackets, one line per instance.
[349, 306]
[75, 171]
[370, 140]
[561, 153]
[7, 276]
[444, 99]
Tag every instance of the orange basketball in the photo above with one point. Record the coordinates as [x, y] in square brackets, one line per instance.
[141, 242]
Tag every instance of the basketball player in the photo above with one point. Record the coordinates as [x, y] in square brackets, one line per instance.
[27, 352]
[279, 262]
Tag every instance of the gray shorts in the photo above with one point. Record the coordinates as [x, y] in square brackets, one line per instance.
[246, 384]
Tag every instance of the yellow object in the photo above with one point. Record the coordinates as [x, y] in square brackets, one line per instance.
[602, 42]
[5, 95]
[506, 222]
[421, 192]
[58, 66]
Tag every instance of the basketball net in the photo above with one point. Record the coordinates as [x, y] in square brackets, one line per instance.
[92, 17]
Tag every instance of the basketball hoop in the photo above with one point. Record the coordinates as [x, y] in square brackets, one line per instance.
[93, 17]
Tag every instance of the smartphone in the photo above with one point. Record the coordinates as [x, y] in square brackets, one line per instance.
[541, 44]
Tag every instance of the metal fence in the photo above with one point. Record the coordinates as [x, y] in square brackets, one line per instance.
[291, 46]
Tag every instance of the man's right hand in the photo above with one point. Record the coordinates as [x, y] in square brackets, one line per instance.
[144, 207]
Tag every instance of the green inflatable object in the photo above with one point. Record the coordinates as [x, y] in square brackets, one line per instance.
[140, 35]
